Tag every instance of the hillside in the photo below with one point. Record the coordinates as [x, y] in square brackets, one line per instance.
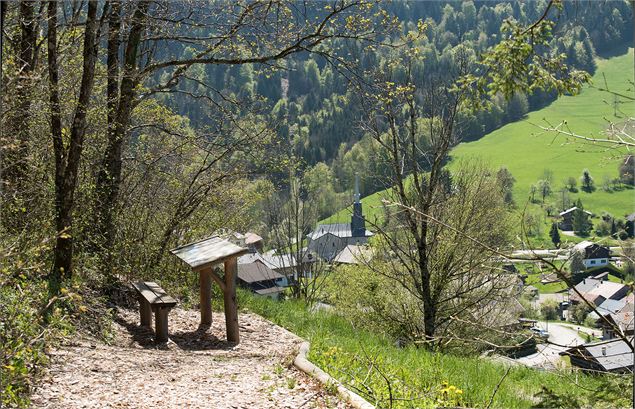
[527, 151]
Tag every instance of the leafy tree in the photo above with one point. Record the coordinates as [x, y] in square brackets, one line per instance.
[581, 223]
[544, 187]
[576, 262]
[572, 184]
[579, 312]
[532, 191]
[586, 181]
[555, 235]
[532, 223]
[506, 181]
[549, 310]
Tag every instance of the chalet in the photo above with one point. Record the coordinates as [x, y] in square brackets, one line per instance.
[593, 254]
[566, 222]
[328, 240]
[261, 279]
[598, 291]
[604, 356]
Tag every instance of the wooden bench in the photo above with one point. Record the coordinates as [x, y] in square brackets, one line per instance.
[153, 298]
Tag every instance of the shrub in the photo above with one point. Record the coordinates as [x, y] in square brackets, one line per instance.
[549, 310]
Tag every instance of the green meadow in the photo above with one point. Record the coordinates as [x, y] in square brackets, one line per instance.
[527, 150]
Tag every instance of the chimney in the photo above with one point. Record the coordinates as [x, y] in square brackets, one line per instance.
[603, 351]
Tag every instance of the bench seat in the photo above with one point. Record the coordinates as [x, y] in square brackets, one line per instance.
[153, 298]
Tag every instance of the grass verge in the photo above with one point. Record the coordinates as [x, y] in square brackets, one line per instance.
[376, 369]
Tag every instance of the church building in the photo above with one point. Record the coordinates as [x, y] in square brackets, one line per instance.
[328, 240]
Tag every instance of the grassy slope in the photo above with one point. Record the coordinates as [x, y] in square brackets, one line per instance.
[342, 350]
[527, 151]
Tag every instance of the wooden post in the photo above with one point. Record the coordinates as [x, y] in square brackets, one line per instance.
[145, 312]
[161, 323]
[229, 298]
[206, 296]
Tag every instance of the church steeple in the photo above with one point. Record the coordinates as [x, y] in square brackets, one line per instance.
[358, 224]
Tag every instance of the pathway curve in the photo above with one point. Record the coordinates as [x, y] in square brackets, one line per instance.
[195, 369]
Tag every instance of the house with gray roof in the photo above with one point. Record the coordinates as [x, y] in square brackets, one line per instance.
[621, 321]
[260, 279]
[328, 240]
[603, 356]
[598, 291]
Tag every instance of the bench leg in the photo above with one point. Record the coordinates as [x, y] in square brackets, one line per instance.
[145, 312]
[161, 324]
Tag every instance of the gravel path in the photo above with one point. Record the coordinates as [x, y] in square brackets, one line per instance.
[195, 369]
[548, 355]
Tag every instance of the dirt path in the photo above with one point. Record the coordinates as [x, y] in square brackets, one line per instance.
[195, 369]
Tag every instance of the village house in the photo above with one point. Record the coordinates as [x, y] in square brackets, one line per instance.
[620, 320]
[593, 254]
[598, 291]
[328, 240]
[566, 218]
[604, 356]
[260, 279]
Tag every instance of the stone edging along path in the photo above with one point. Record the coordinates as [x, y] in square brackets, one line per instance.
[302, 362]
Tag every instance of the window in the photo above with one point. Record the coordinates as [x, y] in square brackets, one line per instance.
[592, 262]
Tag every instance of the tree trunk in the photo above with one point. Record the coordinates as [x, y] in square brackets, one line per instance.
[119, 112]
[101, 233]
[15, 158]
[67, 160]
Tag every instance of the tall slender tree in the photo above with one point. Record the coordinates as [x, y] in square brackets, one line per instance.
[68, 151]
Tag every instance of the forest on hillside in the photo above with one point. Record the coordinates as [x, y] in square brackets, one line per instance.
[319, 115]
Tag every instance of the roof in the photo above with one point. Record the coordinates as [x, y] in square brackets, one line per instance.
[607, 289]
[604, 289]
[257, 271]
[353, 254]
[611, 355]
[252, 238]
[625, 317]
[608, 307]
[209, 251]
[574, 208]
[583, 245]
[269, 259]
[587, 285]
[336, 229]
[278, 261]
